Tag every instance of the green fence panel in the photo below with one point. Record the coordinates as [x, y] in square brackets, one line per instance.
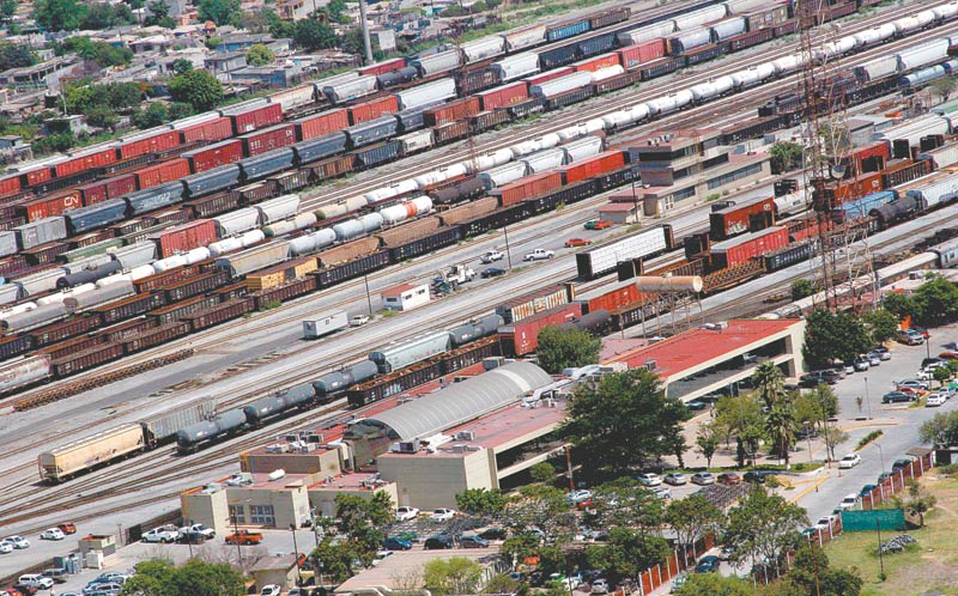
[865, 521]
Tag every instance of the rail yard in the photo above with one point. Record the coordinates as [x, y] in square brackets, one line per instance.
[154, 287]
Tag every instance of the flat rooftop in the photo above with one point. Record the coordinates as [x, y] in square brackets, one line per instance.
[695, 347]
[497, 429]
[356, 481]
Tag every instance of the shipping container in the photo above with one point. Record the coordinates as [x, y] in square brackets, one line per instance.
[448, 133]
[522, 337]
[531, 303]
[382, 67]
[567, 30]
[213, 156]
[749, 216]
[321, 124]
[452, 111]
[50, 206]
[333, 167]
[740, 250]
[642, 53]
[604, 259]
[469, 81]
[186, 237]
[593, 166]
[788, 256]
[370, 110]
[527, 187]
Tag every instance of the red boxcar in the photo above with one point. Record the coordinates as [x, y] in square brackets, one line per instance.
[120, 185]
[870, 158]
[594, 64]
[51, 206]
[647, 51]
[9, 185]
[215, 155]
[739, 251]
[94, 193]
[503, 97]
[183, 238]
[452, 111]
[383, 67]
[370, 110]
[256, 118]
[750, 216]
[145, 144]
[163, 172]
[604, 299]
[321, 124]
[593, 166]
[37, 175]
[848, 190]
[522, 337]
[527, 187]
[85, 161]
[268, 139]
[208, 132]
[548, 75]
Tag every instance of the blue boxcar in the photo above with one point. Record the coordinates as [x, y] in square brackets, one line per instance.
[858, 209]
[95, 216]
[568, 30]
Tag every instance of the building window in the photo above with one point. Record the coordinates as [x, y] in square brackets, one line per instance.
[237, 514]
[262, 515]
[724, 179]
[685, 193]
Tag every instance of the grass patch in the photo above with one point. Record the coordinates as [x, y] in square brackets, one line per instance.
[868, 439]
[931, 565]
[386, 313]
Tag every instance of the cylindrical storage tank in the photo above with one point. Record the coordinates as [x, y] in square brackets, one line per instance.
[524, 148]
[703, 91]
[571, 132]
[925, 18]
[225, 246]
[489, 324]
[868, 37]
[302, 245]
[504, 174]
[423, 205]
[279, 228]
[363, 371]
[197, 254]
[787, 64]
[252, 237]
[618, 118]
[945, 11]
[57, 298]
[170, 263]
[142, 271]
[371, 222]
[647, 33]
[677, 283]
[560, 85]
[516, 67]
[304, 220]
[728, 28]
[499, 157]
[548, 140]
[595, 125]
[684, 41]
[331, 383]
[542, 161]
[396, 213]
[349, 229]
[723, 84]
[607, 73]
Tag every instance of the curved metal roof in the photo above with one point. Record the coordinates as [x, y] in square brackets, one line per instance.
[461, 402]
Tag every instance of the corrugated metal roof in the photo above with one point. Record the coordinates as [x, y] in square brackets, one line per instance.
[461, 402]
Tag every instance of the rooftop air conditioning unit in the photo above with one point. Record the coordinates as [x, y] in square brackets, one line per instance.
[473, 448]
[409, 446]
[458, 448]
[315, 438]
[465, 435]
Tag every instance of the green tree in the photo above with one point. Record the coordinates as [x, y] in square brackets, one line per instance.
[624, 420]
[627, 553]
[336, 559]
[833, 336]
[180, 110]
[259, 55]
[221, 12]
[181, 66]
[693, 518]
[781, 428]
[15, 56]
[519, 545]
[566, 348]
[941, 430]
[881, 325]
[916, 501]
[543, 507]
[196, 578]
[336, 9]
[152, 115]
[159, 15]
[480, 501]
[741, 416]
[624, 503]
[456, 575]
[707, 440]
[763, 525]
[352, 41]
[937, 301]
[770, 382]
[543, 472]
[58, 15]
[101, 117]
[901, 305]
[942, 374]
[802, 288]
[358, 534]
[7, 9]
[811, 575]
[100, 15]
[198, 88]
[54, 143]
[944, 86]
[786, 156]
[713, 584]
[314, 33]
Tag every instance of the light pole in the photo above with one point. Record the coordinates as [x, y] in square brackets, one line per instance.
[369, 300]
[299, 578]
[881, 457]
[808, 435]
[239, 551]
[868, 407]
[505, 232]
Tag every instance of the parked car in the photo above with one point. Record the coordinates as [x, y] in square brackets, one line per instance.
[676, 479]
[492, 272]
[472, 541]
[707, 564]
[35, 580]
[406, 513]
[162, 534]
[358, 320]
[649, 479]
[19, 542]
[882, 352]
[574, 242]
[600, 586]
[6, 547]
[578, 496]
[662, 492]
[860, 364]
[729, 478]
[245, 537]
[67, 528]
[934, 400]
[883, 477]
[703, 478]
[491, 256]
[900, 463]
[909, 338]
[493, 533]
[696, 405]
[849, 461]
[442, 515]
[207, 533]
[270, 590]
[59, 575]
[539, 254]
[52, 534]
[866, 490]
[597, 224]
[757, 476]
[922, 332]
[439, 541]
[894, 397]
[396, 543]
[914, 383]
[849, 502]
[873, 359]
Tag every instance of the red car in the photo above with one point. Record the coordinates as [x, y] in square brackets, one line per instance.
[598, 224]
[573, 242]
[729, 478]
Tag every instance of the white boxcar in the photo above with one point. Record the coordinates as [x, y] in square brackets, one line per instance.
[416, 141]
[697, 18]
[604, 259]
[647, 33]
[942, 188]
[349, 90]
[295, 97]
[484, 48]
[31, 369]
[524, 38]
[163, 428]
[135, 255]
[944, 156]
[60, 463]
[400, 355]
[503, 174]
[929, 52]
[547, 89]
[515, 67]
[421, 95]
[435, 63]
[877, 68]
[236, 222]
[318, 327]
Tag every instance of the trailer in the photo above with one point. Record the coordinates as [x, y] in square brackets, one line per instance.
[318, 327]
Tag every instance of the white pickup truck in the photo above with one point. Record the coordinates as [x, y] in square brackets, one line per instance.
[198, 529]
[539, 254]
[162, 534]
[491, 256]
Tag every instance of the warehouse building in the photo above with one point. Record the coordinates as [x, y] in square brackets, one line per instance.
[718, 357]
[473, 434]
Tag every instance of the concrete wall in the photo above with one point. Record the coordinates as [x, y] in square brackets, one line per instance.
[211, 510]
[323, 462]
[290, 504]
[430, 482]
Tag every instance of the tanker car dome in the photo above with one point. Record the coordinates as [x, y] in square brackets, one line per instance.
[455, 404]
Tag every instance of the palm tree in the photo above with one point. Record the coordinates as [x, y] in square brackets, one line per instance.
[780, 429]
[770, 382]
